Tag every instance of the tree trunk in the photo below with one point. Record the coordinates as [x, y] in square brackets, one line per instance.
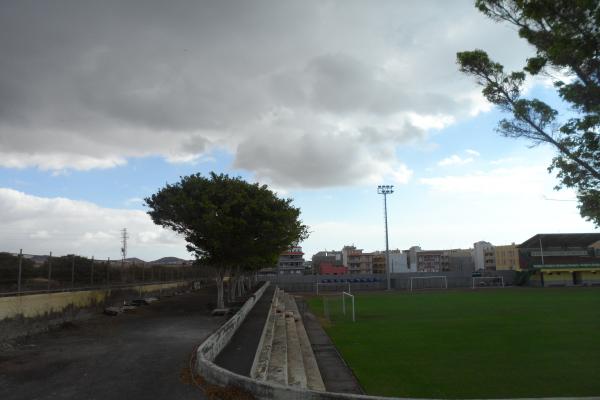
[240, 287]
[219, 280]
[231, 287]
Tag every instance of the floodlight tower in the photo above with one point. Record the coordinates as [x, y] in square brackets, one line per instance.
[385, 190]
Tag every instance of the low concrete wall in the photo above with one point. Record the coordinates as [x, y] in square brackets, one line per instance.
[216, 342]
[28, 314]
[399, 281]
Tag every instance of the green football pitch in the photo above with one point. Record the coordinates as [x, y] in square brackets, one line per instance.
[492, 343]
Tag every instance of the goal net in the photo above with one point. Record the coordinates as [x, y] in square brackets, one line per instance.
[321, 287]
[488, 281]
[348, 301]
[428, 282]
[339, 307]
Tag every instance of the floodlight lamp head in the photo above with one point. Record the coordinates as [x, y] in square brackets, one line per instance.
[385, 189]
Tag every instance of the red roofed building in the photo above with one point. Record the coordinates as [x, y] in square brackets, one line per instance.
[327, 268]
[291, 261]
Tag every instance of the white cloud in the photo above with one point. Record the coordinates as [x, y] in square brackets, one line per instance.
[107, 85]
[134, 201]
[505, 160]
[520, 180]
[39, 225]
[454, 160]
[58, 162]
[472, 152]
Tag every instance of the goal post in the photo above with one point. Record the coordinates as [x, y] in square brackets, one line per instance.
[439, 281]
[488, 281]
[334, 285]
[350, 298]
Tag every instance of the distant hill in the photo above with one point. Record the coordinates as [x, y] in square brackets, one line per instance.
[37, 259]
[40, 259]
[134, 260]
[170, 261]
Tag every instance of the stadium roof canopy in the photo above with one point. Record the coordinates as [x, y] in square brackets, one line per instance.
[561, 240]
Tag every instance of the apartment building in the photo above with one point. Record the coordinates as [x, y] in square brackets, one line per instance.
[356, 261]
[483, 256]
[412, 257]
[291, 261]
[432, 261]
[460, 260]
[378, 262]
[331, 258]
[507, 257]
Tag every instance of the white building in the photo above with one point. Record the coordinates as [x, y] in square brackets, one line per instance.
[399, 262]
[412, 258]
[483, 256]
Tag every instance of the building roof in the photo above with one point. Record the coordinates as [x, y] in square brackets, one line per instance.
[561, 240]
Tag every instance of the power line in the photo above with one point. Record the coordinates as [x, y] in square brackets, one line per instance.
[549, 199]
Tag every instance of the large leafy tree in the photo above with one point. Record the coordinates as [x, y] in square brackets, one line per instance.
[228, 223]
[566, 37]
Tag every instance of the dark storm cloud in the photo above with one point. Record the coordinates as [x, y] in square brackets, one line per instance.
[87, 84]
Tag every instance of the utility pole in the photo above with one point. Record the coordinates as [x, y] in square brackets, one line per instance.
[72, 271]
[385, 190]
[20, 271]
[49, 270]
[92, 273]
[124, 237]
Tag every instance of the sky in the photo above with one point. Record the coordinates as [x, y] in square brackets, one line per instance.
[103, 103]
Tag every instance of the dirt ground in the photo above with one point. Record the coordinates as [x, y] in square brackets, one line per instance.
[139, 355]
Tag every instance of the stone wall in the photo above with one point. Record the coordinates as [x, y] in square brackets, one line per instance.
[28, 314]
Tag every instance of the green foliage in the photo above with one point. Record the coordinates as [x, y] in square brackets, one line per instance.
[566, 37]
[504, 343]
[9, 268]
[522, 277]
[226, 221]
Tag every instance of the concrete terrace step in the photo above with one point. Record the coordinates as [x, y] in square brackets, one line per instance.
[284, 354]
[314, 380]
[295, 362]
[278, 370]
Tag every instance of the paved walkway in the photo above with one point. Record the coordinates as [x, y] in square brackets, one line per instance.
[336, 374]
[239, 354]
[142, 355]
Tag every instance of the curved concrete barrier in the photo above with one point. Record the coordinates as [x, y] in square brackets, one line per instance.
[213, 374]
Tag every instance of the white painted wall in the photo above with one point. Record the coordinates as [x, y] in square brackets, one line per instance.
[479, 250]
[399, 262]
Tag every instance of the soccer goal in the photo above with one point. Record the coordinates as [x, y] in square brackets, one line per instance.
[350, 301]
[428, 282]
[488, 281]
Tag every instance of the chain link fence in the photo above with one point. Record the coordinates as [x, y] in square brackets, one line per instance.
[20, 273]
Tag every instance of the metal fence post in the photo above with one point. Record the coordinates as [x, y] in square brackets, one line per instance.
[108, 273]
[92, 274]
[49, 270]
[20, 271]
[72, 271]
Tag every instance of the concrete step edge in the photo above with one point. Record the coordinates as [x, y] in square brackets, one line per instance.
[277, 370]
[260, 365]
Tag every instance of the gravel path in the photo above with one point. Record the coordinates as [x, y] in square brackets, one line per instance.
[139, 355]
